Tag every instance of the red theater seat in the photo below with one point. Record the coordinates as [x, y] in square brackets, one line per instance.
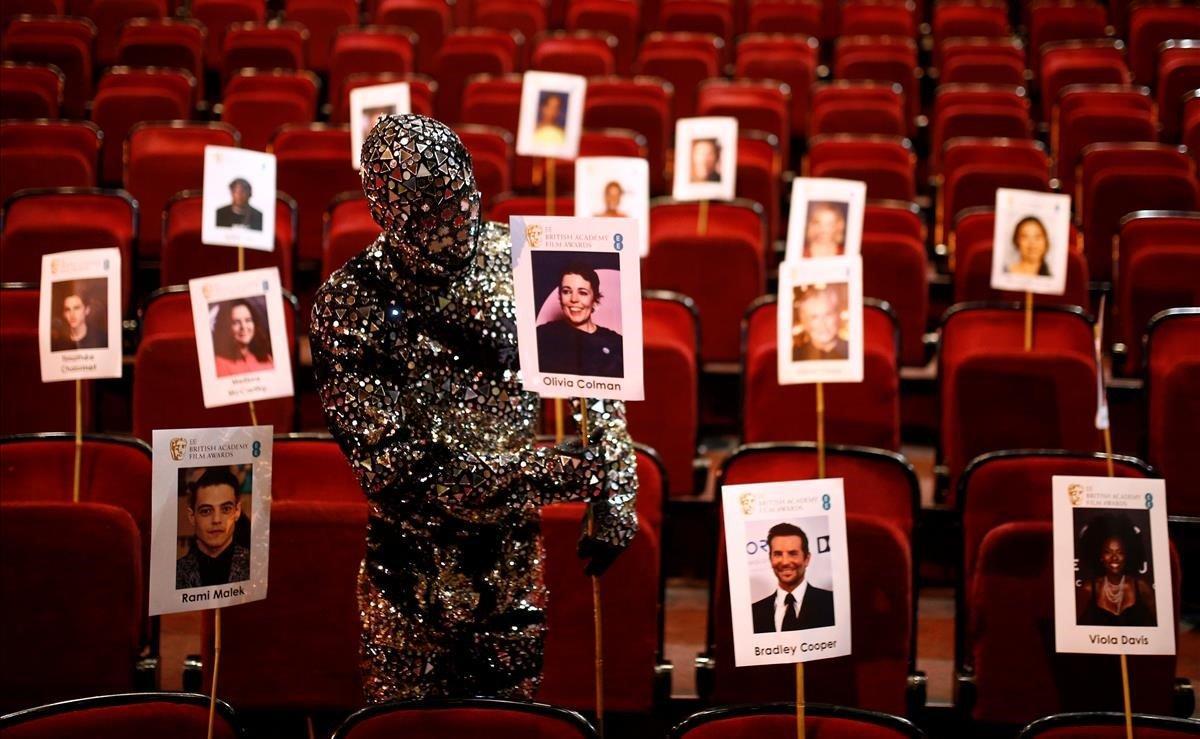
[882, 626]
[641, 104]
[668, 420]
[1178, 74]
[421, 92]
[529, 173]
[973, 169]
[620, 18]
[77, 633]
[791, 59]
[800, 17]
[510, 204]
[866, 413]
[778, 719]
[759, 105]
[111, 16]
[683, 59]
[971, 246]
[1107, 726]
[323, 19]
[348, 229]
[166, 373]
[164, 42]
[490, 100]
[270, 45]
[185, 257]
[526, 17]
[585, 53]
[163, 158]
[311, 467]
[52, 407]
[1080, 63]
[983, 61]
[1059, 20]
[127, 96]
[968, 19]
[698, 16]
[124, 715]
[370, 49]
[491, 151]
[316, 546]
[895, 270]
[1159, 268]
[430, 19]
[496, 719]
[1190, 124]
[881, 59]
[15, 8]
[875, 18]
[858, 107]
[1009, 615]
[679, 261]
[987, 111]
[67, 43]
[1080, 123]
[467, 52]
[631, 598]
[760, 175]
[218, 15]
[1152, 24]
[991, 387]
[38, 222]
[313, 166]
[886, 164]
[30, 91]
[38, 154]
[1172, 371]
[259, 103]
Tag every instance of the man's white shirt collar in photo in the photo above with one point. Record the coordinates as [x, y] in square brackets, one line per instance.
[781, 607]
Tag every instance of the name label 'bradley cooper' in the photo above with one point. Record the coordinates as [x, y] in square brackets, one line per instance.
[215, 594]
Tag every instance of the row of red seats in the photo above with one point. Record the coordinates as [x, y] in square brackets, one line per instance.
[1006, 573]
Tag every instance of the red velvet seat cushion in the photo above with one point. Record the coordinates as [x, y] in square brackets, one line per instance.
[150, 718]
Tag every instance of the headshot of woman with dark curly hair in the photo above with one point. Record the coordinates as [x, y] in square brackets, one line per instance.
[1112, 588]
[241, 339]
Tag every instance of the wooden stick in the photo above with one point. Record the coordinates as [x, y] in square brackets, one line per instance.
[78, 440]
[800, 700]
[1028, 320]
[820, 430]
[212, 701]
[558, 421]
[1108, 452]
[253, 415]
[702, 218]
[1125, 690]
[551, 176]
[241, 259]
[596, 609]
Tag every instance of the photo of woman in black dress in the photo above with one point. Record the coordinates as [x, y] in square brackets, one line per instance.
[1113, 587]
[575, 344]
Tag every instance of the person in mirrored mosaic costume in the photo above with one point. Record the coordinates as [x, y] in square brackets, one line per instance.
[414, 350]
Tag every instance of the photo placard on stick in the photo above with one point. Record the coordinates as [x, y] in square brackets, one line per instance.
[615, 187]
[239, 198]
[241, 337]
[79, 315]
[551, 117]
[579, 306]
[789, 571]
[705, 159]
[1031, 240]
[368, 105]
[1112, 568]
[212, 518]
[820, 321]
[827, 218]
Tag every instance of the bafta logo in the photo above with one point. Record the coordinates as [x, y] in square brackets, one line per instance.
[1075, 493]
[533, 235]
[178, 448]
[747, 502]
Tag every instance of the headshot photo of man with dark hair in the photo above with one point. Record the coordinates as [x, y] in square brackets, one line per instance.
[795, 603]
[213, 510]
[239, 213]
[706, 160]
[575, 344]
[78, 319]
[817, 330]
[1114, 586]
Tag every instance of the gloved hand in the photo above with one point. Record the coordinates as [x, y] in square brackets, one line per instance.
[598, 550]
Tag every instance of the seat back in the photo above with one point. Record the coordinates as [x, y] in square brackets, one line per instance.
[30, 91]
[585, 53]
[270, 45]
[67, 43]
[761, 105]
[1151, 25]
[348, 229]
[466, 52]
[863, 107]
[313, 166]
[39, 154]
[127, 96]
[128, 714]
[789, 58]
[259, 103]
[369, 49]
[431, 20]
[311, 467]
[683, 59]
[498, 719]
[1110, 725]
[641, 104]
[777, 719]
[185, 256]
[894, 271]
[1172, 370]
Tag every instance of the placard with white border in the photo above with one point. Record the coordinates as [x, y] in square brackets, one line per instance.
[551, 117]
[615, 187]
[368, 105]
[1112, 566]
[705, 158]
[820, 321]
[211, 503]
[239, 198]
[241, 337]
[827, 218]
[79, 315]
[579, 306]
[1030, 242]
[781, 539]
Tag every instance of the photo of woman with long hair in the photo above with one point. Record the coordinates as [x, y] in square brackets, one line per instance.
[241, 337]
[1113, 587]
[1031, 244]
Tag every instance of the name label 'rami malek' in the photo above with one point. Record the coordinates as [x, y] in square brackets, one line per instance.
[215, 594]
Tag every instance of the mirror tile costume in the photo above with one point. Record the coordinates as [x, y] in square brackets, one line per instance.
[414, 349]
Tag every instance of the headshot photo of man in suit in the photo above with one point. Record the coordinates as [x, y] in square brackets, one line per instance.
[796, 604]
[239, 212]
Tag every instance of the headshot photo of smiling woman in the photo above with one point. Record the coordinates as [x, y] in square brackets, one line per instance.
[1031, 245]
[241, 337]
[572, 338]
[1114, 585]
